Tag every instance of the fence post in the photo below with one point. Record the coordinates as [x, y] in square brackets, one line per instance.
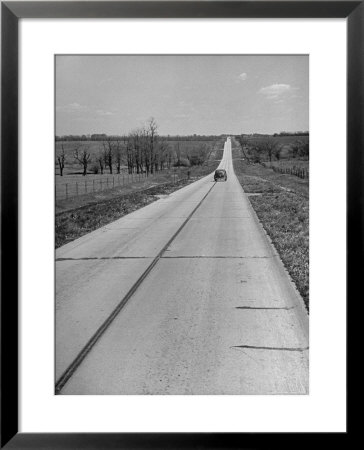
[113, 184]
[66, 190]
[93, 185]
[101, 183]
[85, 187]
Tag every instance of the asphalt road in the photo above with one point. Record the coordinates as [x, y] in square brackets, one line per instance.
[205, 304]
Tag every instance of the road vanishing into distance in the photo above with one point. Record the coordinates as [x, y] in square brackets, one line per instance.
[184, 296]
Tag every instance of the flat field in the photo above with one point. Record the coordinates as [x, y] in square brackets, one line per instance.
[74, 184]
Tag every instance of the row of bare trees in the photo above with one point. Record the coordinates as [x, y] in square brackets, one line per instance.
[142, 151]
[145, 152]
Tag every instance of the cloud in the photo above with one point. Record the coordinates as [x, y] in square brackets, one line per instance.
[101, 112]
[71, 108]
[243, 76]
[276, 91]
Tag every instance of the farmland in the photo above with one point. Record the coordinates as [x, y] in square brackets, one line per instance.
[72, 167]
[179, 158]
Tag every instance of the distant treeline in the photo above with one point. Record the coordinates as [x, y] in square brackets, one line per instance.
[105, 137]
[288, 133]
[282, 133]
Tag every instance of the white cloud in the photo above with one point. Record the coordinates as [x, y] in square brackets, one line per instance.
[243, 76]
[101, 112]
[71, 107]
[276, 91]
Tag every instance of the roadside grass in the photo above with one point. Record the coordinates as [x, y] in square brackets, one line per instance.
[283, 209]
[72, 224]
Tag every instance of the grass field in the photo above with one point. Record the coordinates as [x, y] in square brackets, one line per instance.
[73, 183]
[282, 206]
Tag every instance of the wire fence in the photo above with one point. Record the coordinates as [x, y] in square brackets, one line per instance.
[300, 172]
[70, 189]
[297, 171]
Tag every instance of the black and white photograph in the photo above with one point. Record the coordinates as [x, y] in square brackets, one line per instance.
[181, 224]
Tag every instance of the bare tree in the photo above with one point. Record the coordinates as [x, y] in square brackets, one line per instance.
[177, 149]
[269, 145]
[164, 153]
[296, 147]
[108, 154]
[100, 160]
[117, 157]
[83, 157]
[61, 158]
[304, 149]
[196, 155]
[244, 145]
[152, 132]
[277, 152]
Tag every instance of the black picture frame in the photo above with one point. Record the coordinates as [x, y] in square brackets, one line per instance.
[11, 12]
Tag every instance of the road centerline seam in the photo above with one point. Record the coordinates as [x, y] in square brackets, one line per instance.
[71, 369]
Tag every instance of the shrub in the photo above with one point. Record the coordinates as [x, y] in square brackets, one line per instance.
[182, 162]
[95, 169]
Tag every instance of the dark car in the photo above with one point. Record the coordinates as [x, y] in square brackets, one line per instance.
[220, 175]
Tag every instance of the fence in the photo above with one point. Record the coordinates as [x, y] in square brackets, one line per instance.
[102, 182]
[300, 172]
[297, 171]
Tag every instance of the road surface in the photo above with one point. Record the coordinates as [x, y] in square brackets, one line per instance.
[184, 296]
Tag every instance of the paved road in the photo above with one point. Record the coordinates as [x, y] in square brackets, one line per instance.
[214, 313]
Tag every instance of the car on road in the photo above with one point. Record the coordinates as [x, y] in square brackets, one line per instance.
[220, 175]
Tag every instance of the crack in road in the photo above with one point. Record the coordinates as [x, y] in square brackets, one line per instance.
[266, 307]
[287, 349]
[91, 258]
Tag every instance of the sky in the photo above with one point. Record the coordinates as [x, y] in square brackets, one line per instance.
[186, 95]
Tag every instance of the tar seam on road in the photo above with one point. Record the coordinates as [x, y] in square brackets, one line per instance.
[67, 374]
[92, 258]
[287, 349]
[265, 307]
[217, 257]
